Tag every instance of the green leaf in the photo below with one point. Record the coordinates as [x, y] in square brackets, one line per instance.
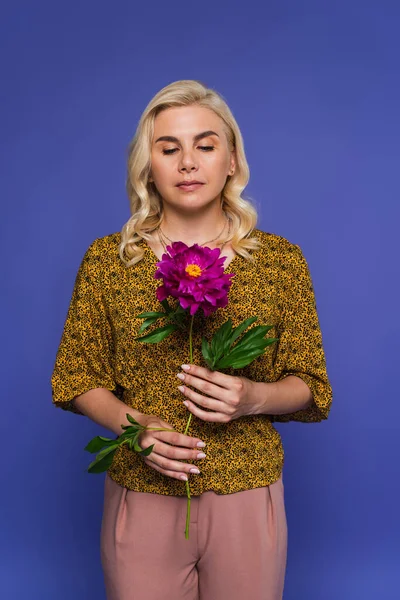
[128, 427]
[179, 316]
[147, 323]
[240, 364]
[205, 349]
[166, 306]
[240, 328]
[254, 344]
[132, 420]
[253, 335]
[99, 466]
[158, 334]
[109, 449]
[97, 443]
[136, 446]
[240, 359]
[103, 460]
[150, 315]
[181, 311]
[225, 330]
[213, 345]
[147, 451]
[222, 337]
[228, 360]
[127, 435]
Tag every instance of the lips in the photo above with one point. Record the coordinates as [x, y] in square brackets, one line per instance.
[189, 188]
[189, 183]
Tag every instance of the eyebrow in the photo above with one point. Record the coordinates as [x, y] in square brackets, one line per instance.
[196, 138]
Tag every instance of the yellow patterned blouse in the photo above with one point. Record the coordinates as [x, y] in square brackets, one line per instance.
[98, 349]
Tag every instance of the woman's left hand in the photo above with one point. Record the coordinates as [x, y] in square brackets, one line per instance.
[228, 396]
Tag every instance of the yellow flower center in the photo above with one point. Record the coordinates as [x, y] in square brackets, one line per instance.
[193, 270]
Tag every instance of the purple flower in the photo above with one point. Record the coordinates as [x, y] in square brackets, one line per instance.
[195, 275]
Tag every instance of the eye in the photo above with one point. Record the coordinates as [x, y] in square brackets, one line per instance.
[169, 151]
[172, 150]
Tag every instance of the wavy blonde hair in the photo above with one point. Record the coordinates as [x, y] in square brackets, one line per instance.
[145, 201]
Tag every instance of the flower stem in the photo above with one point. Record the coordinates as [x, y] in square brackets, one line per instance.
[190, 339]
[190, 360]
[186, 430]
[187, 511]
[158, 429]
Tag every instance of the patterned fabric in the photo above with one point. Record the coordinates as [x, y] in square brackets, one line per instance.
[97, 349]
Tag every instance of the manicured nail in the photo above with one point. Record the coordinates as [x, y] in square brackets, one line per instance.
[185, 367]
[201, 455]
[180, 376]
[183, 477]
[200, 444]
[181, 388]
[194, 470]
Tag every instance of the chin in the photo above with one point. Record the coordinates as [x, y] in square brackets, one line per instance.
[190, 200]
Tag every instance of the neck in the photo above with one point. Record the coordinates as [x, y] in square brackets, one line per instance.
[194, 228]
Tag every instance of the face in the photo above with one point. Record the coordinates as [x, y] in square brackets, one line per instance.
[189, 143]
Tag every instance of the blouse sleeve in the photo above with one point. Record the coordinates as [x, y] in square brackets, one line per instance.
[299, 349]
[84, 359]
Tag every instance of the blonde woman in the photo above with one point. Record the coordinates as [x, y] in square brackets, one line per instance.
[186, 174]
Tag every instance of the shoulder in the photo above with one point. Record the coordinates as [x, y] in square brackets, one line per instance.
[276, 244]
[106, 244]
[106, 247]
[280, 254]
[102, 254]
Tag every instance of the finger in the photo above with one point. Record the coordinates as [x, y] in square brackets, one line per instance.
[166, 464]
[207, 387]
[175, 438]
[173, 474]
[211, 403]
[211, 417]
[177, 453]
[221, 379]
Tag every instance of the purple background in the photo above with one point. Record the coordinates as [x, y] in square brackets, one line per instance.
[315, 89]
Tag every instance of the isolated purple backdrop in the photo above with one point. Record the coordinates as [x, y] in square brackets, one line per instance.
[315, 89]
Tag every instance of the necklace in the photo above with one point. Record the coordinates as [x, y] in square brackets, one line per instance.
[204, 243]
[159, 230]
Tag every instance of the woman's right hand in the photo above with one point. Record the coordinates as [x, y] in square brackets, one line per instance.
[170, 448]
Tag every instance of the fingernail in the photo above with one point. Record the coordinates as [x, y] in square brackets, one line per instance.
[181, 388]
[200, 444]
[185, 367]
[194, 471]
[201, 455]
[183, 477]
[180, 376]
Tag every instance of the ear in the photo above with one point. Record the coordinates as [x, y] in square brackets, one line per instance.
[232, 164]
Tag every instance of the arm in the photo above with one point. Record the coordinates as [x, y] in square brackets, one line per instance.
[232, 397]
[105, 409]
[298, 388]
[299, 354]
[281, 397]
[85, 356]
[172, 447]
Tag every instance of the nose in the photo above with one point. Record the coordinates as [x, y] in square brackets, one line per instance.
[187, 162]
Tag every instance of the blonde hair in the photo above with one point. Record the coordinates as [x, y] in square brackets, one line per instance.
[145, 200]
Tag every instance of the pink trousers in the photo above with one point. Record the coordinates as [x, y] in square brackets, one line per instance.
[236, 549]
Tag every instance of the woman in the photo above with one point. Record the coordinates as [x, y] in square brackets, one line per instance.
[187, 170]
